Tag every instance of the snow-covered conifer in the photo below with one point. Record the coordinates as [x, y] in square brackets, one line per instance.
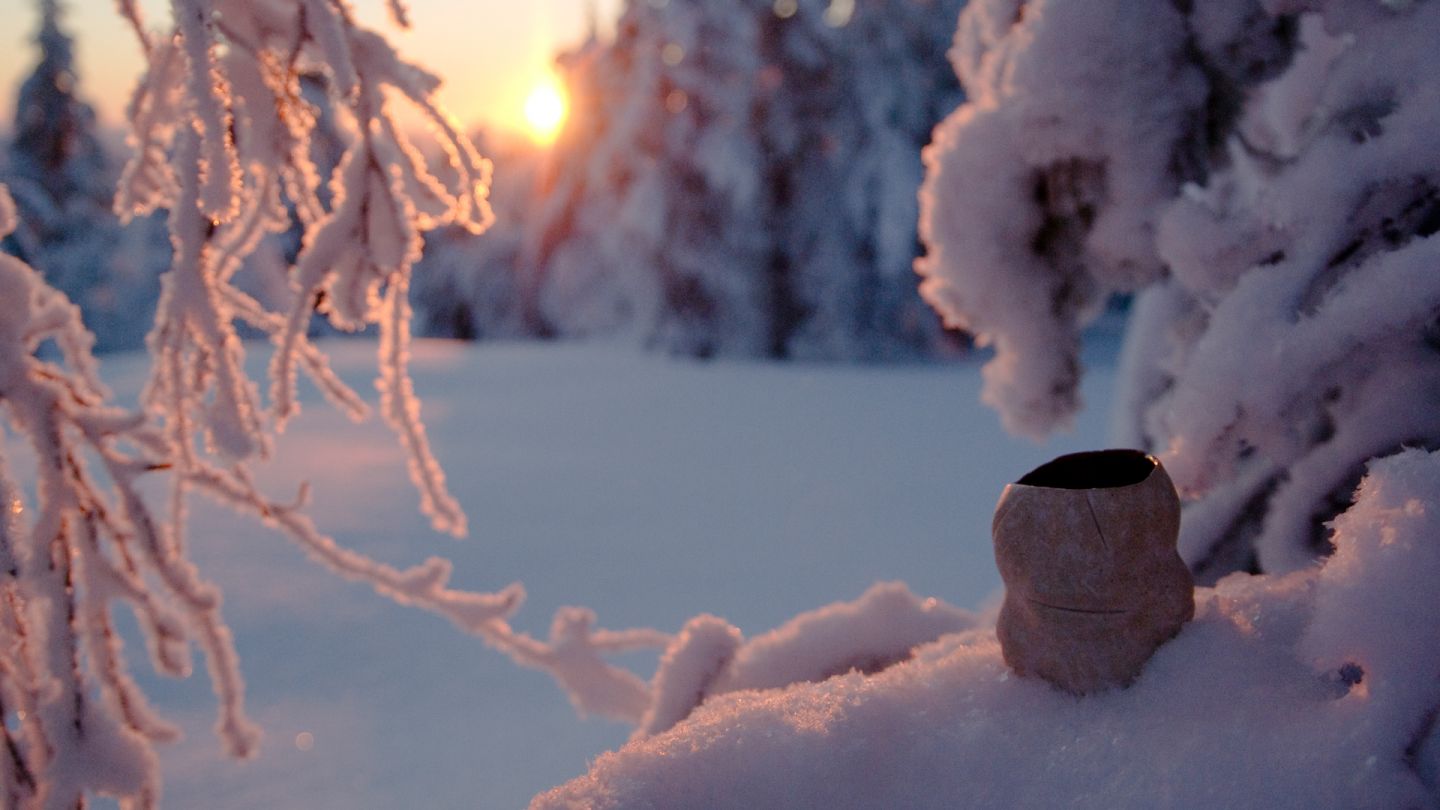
[649, 218]
[853, 91]
[1257, 170]
[802, 129]
[55, 144]
[63, 181]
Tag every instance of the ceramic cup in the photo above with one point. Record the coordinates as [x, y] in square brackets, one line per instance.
[1093, 581]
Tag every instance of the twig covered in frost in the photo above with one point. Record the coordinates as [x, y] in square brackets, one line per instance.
[219, 137]
[75, 721]
[688, 671]
[222, 139]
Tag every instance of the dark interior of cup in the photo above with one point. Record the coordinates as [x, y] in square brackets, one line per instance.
[1097, 470]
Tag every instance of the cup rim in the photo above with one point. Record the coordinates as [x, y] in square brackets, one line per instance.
[1092, 470]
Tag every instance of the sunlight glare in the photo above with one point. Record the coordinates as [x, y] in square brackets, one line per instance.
[545, 110]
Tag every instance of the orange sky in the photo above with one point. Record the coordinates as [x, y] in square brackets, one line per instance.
[490, 52]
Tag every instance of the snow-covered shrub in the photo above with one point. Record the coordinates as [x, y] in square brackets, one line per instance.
[1261, 172]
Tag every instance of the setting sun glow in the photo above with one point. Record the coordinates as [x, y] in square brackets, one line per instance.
[545, 110]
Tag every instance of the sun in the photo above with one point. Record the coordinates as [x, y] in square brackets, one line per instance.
[545, 110]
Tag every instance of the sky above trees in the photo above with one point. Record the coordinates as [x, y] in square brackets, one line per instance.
[491, 52]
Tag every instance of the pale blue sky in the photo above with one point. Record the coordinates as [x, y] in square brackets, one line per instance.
[491, 52]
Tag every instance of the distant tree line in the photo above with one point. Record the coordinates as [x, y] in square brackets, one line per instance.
[735, 178]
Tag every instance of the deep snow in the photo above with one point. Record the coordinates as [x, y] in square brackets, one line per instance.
[1313, 689]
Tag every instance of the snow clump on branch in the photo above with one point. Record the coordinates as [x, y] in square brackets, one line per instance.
[1260, 174]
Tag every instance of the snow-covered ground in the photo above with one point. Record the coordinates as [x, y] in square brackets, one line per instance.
[647, 488]
[1314, 689]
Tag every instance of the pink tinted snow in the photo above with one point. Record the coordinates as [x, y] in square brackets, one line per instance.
[874, 632]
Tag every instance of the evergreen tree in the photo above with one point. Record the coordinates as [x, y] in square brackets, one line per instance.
[851, 93]
[787, 140]
[55, 147]
[696, 207]
[1271, 192]
[63, 181]
[647, 216]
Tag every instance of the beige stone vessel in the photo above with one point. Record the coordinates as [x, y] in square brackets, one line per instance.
[1093, 582]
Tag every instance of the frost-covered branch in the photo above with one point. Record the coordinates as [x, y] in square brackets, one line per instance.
[75, 721]
[222, 139]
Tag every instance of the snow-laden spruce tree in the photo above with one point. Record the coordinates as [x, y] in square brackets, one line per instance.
[649, 217]
[851, 92]
[55, 147]
[1258, 171]
[63, 180]
[698, 200]
[811, 151]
